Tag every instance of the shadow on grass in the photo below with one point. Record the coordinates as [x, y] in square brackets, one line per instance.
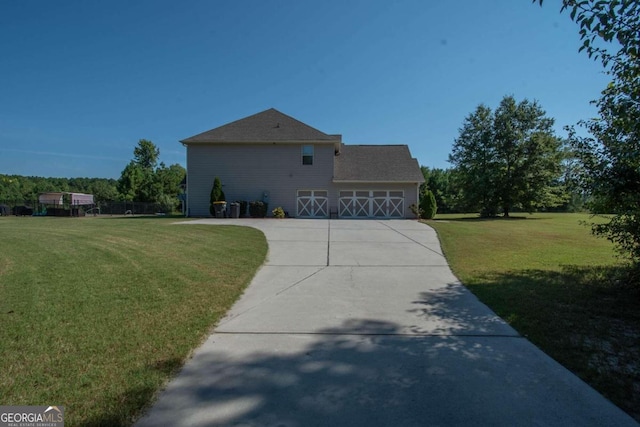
[587, 318]
[131, 217]
[128, 405]
[119, 414]
[490, 219]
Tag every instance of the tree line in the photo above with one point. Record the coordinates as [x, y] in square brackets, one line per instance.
[18, 188]
[144, 179]
[507, 160]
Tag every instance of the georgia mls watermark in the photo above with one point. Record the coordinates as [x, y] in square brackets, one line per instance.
[31, 416]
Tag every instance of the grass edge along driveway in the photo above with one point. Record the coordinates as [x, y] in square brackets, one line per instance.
[556, 284]
[96, 314]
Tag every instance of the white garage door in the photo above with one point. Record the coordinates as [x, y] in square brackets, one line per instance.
[371, 204]
[313, 204]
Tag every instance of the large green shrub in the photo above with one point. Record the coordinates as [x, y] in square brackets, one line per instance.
[168, 204]
[428, 205]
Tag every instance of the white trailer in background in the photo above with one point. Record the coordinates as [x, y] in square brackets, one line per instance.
[55, 203]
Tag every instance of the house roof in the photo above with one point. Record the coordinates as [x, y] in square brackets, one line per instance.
[376, 163]
[268, 126]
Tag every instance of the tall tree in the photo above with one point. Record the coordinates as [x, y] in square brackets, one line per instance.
[473, 157]
[610, 157]
[170, 178]
[138, 179]
[170, 181]
[143, 180]
[146, 154]
[130, 182]
[508, 158]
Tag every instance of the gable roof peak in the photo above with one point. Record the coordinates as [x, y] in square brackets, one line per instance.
[266, 126]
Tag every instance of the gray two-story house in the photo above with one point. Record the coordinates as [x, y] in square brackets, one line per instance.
[275, 158]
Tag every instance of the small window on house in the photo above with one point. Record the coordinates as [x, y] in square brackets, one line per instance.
[307, 154]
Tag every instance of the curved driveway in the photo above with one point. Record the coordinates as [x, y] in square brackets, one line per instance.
[362, 323]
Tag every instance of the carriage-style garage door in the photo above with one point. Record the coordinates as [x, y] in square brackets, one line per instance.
[371, 204]
[312, 204]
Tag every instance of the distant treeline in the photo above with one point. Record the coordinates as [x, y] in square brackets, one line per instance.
[27, 188]
[446, 186]
[142, 180]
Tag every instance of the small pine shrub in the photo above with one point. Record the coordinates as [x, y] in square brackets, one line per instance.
[217, 195]
[278, 212]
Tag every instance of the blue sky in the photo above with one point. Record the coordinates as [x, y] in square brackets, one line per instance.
[82, 81]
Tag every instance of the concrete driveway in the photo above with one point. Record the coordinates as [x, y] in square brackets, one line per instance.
[362, 323]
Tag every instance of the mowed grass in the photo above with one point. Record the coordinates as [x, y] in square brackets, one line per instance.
[560, 287]
[97, 313]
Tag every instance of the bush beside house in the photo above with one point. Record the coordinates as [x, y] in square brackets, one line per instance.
[428, 205]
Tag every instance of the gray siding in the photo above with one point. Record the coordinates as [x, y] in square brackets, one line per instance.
[249, 170]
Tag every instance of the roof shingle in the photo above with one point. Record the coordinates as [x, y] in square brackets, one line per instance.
[268, 126]
[376, 163]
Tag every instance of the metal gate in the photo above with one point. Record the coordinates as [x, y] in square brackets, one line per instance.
[371, 204]
[312, 204]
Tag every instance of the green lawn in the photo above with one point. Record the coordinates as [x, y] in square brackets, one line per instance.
[97, 313]
[557, 285]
